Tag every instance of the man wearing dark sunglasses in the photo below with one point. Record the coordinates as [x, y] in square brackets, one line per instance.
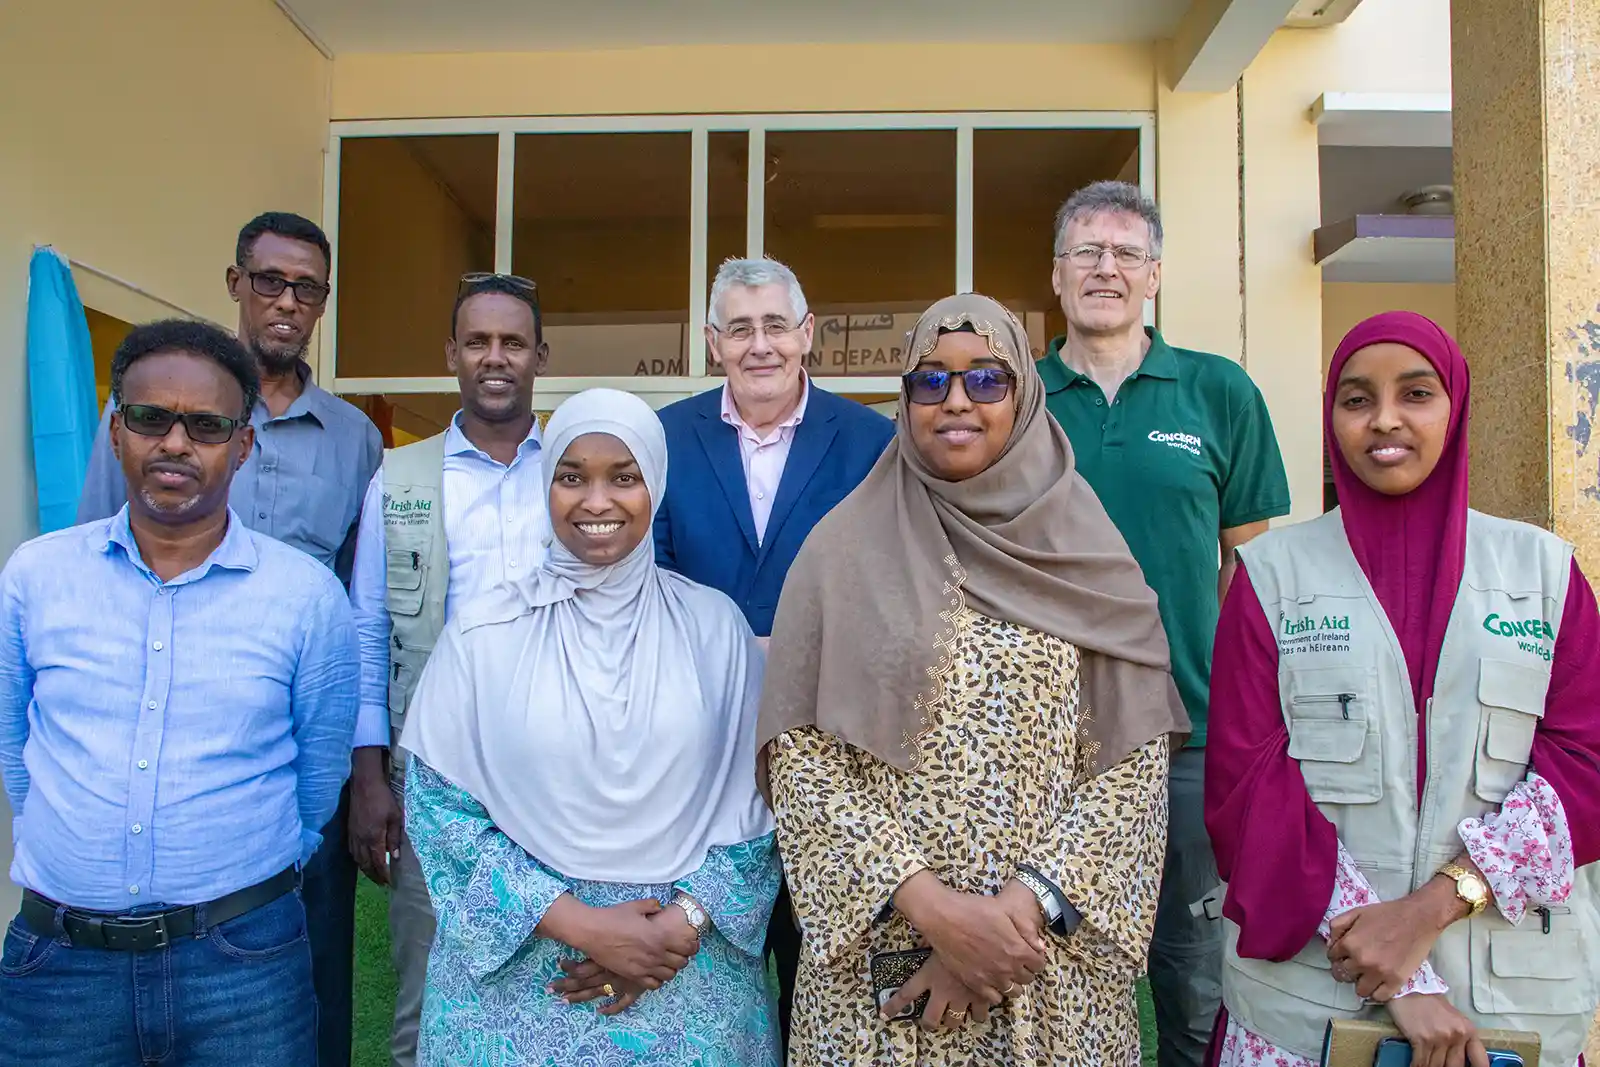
[302, 483]
[1179, 447]
[177, 697]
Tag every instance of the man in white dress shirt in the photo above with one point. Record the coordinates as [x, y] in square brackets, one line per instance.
[415, 567]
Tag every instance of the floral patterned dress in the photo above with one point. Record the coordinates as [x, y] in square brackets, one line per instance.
[487, 1002]
[1004, 780]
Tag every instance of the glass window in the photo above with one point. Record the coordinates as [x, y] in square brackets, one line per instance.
[867, 220]
[1020, 178]
[415, 213]
[602, 225]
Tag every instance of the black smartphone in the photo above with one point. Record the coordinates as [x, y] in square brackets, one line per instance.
[890, 971]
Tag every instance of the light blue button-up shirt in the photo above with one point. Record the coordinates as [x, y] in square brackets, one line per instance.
[301, 484]
[169, 742]
[496, 520]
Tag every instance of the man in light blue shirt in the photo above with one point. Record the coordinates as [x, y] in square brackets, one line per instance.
[301, 483]
[445, 520]
[177, 698]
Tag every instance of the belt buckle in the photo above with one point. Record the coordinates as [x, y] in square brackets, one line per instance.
[125, 934]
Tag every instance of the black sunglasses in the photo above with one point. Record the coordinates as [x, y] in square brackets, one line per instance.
[271, 286]
[203, 428]
[984, 385]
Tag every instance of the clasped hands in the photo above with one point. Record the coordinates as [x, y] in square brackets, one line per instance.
[984, 949]
[628, 949]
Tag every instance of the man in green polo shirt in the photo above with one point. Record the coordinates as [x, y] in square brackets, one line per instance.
[1179, 447]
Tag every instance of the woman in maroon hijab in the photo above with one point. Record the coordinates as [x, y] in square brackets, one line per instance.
[1403, 769]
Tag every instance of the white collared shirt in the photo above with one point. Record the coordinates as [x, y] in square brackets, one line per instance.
[764, 457]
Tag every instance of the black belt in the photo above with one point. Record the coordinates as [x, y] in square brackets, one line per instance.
[146, 932]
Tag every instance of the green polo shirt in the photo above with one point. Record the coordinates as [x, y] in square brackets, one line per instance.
[1184, 452]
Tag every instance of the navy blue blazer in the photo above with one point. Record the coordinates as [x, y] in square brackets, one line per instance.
[704, 528]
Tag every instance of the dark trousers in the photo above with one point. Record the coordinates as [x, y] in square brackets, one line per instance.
[1186, 952]
[783, 942]
[329, 888]
[237, 994]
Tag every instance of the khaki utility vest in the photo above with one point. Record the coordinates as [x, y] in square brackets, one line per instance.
[1347, 702]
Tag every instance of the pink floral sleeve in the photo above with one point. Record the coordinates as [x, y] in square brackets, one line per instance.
[1524, 850]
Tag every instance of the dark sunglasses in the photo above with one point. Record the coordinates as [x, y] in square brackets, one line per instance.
[203, 428]
[984, 385]
[516, 281]
[271, 286]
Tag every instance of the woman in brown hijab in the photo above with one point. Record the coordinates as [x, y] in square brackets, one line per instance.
[965, 730]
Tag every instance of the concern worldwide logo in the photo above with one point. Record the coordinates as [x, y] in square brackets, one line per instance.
[1529, 634]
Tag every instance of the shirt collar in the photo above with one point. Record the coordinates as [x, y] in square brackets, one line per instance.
[457, 444]
[314, 401]
[1159, 362]
[730, 411]
[237, 551]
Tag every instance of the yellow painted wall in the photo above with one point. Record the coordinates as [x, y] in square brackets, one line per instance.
[741, 78]
[1346, 304]
[138, 136]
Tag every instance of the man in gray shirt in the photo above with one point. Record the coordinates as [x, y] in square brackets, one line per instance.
[302, 484]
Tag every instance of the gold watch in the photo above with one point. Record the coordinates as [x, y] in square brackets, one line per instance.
[1470, 889]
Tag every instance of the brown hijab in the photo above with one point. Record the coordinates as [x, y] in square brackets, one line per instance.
[864, 632]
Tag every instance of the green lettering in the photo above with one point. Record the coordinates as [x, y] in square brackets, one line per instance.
[1488, 623]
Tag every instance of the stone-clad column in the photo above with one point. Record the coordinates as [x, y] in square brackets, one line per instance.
[1527, 183]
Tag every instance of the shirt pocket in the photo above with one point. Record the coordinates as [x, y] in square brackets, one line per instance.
[1529, 972]
[1511, 698]
[405, 581]
[1333, 734]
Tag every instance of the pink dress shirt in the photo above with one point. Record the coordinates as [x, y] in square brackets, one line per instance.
[764, 457]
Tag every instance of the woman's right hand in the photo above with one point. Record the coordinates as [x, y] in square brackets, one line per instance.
[1439, 1035]
[624, 941]
[978, 938]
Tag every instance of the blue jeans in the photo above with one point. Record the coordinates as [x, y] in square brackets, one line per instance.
[329, 887]
[237, 995]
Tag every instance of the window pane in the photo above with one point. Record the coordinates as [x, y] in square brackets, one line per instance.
[415, 213]
[1020, 178]
[867, 219]
[602, 224]
[403, 418]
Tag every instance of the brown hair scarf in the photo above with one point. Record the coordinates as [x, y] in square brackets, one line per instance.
[865, 629]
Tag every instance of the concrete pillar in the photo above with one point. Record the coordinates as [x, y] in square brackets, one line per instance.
[1527, 186]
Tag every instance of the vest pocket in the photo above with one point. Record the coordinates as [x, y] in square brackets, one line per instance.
[1530, 972]
[1331, 735]
[405, 581]
[1512, 699]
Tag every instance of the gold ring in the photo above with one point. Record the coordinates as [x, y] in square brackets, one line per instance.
[956, 1014]
[1008, 990]
[608, 990]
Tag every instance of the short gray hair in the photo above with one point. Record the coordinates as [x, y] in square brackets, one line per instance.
[754, 273]
[1117, 198]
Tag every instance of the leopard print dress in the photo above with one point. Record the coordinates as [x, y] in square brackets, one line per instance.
[1003, 779]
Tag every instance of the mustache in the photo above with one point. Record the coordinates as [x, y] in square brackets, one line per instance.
[171, 466]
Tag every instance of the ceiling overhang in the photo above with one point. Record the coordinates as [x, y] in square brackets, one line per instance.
[1218, 39]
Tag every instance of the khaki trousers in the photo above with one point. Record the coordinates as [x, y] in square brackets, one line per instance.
[410, 938]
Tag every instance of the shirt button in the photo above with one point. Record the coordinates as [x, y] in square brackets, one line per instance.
[158, 646]
[137, 828]
[261, 514]
[760, 495]
[511, 563]
[134, 890]
[144, 765]
[1099, 401]
[151, 705]
[266, 468]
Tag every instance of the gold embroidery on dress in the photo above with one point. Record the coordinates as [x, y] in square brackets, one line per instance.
[947, 641]
[998, 347]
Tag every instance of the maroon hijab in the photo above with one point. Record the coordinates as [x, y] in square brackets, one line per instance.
[1412, 548]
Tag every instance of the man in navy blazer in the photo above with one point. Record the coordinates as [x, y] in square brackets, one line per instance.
[753, 466]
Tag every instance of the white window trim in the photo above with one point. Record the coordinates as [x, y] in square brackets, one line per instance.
[663, 390]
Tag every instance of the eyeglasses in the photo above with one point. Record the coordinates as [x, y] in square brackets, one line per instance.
[516, 281]
[983, 385]
[743, 333]
[203, 428]
[271, 286]
[1128, 257]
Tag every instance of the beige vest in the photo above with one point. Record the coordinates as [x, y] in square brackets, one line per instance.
[1348, 705]
[418, 562]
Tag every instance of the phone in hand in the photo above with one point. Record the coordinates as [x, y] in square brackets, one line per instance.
[1396, 1052]
[890, 971]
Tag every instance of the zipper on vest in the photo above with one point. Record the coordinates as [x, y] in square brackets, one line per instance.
[416, 561]
[1344, 700]
[1544, 911]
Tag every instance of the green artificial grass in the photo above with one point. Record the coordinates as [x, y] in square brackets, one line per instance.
[374, 997]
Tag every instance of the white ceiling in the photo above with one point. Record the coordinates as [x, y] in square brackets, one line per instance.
[346, 26]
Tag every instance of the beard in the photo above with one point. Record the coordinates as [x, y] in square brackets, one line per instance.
[277, 357]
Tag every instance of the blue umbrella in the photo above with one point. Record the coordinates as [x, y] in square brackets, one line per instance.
[61, 390]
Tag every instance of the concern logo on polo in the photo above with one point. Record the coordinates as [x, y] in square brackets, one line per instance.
[1529, 634]
[1186, 441]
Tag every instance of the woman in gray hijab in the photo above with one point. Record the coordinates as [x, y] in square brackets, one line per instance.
[580, 796]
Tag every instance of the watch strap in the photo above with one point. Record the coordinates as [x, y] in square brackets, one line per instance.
[697, 915]
[1048, 904]
[1456, 873]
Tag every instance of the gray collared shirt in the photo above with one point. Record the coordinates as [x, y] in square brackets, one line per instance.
[302, 484]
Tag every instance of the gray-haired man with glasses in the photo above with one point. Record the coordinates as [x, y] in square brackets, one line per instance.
[301, 484]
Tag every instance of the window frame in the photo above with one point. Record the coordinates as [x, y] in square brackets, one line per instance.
[663, 390]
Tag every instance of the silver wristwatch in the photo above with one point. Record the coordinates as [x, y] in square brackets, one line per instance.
[696, 914]
[1047, 900]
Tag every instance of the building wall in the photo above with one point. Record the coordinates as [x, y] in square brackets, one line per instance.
[1346, 304]
[138, 136]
